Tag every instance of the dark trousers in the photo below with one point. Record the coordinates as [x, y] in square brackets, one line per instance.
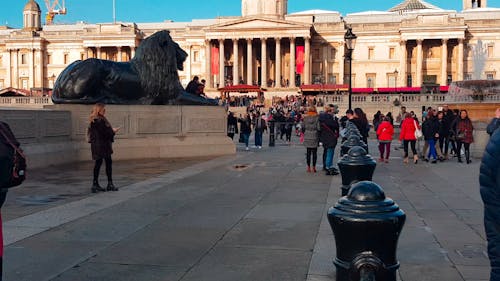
[312, 152]
[459, 150]
[444, 142]
[109, 169]
[412, 143]
[258, 138]
[384, 147]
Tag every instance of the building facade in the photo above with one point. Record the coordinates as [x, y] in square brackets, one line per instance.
[412, 44]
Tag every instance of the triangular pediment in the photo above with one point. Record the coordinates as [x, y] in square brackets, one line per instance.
[258, 23]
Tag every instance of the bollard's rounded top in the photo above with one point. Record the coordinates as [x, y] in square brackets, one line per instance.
[366, 197]
[366, 191]
[357, 155]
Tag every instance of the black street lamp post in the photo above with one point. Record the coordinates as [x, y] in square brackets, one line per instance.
[396, 81]
[350, 43]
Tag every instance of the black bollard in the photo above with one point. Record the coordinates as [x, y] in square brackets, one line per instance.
[352, 140]
[271, 133]
[355, 166]
[366, 226]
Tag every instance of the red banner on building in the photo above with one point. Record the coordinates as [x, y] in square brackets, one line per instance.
[300, 60]
[215, 61]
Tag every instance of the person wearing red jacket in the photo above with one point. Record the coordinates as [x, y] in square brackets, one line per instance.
[385, 132]
[407, 136]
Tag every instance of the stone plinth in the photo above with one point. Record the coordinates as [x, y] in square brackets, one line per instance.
[149, 131]
[56, 134]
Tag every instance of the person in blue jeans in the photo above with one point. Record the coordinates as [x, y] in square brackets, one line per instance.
[430, 129]
[246, 129]
[259, 127]
[329, 133]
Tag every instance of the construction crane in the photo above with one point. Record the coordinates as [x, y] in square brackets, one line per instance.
[54, 8]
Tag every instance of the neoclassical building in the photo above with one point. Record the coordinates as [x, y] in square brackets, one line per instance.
[411, 44]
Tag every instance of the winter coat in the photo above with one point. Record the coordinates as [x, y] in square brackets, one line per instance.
[443, 128]
[6, 154]
[464, 126]
[385, 131]
[408, 129]
[329, 131]
[430, 128]
[262, 127]
[489, 180]
[232, 125]
[245, 126]
[101, 136]
[362, 126]
[494, 124]
[311, 130]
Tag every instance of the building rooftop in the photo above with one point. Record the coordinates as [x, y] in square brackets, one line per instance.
[412, 5]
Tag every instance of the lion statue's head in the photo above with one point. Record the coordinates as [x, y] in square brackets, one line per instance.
[157, 60]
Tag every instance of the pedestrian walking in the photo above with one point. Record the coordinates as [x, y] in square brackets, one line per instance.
[311, 130]
[101, 136]
[232, 125]
[246, 129]
[463, 135]
[494, 124]
[329, 134]
[361, 123]
[385, 133]
[430, 129]
[259, 128]
[407, 136]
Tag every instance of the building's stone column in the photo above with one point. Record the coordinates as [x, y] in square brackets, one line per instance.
[15, 72]
[292, 62]
[444, 62]
[341, 63]
[325, 63]
[236, 62]
[403, 64]
[119, 54]
[249, 62]
[263, 63]
[420, 59]
[208, 64]
[98, 50]
[132, 52]
[39, 68]
[31, 69]
[8, 67]
[307, 64]
[221, 63]
[277, 80]
[460, 70]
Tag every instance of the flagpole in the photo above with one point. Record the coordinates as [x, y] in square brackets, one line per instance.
[114, 11]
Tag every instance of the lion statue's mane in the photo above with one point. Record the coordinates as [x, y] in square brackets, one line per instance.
[151, 77]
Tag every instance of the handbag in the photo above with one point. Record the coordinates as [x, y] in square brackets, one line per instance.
[18, 163]
[418, 132]
[460, 135]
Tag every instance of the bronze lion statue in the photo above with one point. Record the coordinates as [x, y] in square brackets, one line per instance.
[151, 77]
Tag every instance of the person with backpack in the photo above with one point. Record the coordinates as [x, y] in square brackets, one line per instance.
[101, 136]
[12, 171]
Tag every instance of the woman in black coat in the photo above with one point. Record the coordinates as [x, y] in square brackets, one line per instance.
[232, 125]
[489, 179]
[430, 129]
[361, 123]
[101, 136]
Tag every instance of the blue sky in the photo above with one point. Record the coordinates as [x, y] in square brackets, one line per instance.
[96, 11]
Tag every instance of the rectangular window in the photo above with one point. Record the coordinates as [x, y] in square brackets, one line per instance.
[24, 59]
[490, 51]
[316, 54]
[391, 80]
[66, 58]
[392, 53]
[1, 84]
[195, 56]
[82, 56]
[25, 83]
[49, 58]
[449, 79]
[490, 76]
[333, 54]
[409, 81]
[370, 53]
[332, 79]
[370, 80]
[468, 76]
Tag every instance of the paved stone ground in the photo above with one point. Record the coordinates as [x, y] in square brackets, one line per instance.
[255, 216]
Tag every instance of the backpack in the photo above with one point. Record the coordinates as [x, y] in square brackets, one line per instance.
[16, 172]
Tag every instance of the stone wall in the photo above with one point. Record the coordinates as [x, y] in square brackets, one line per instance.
[56, 134]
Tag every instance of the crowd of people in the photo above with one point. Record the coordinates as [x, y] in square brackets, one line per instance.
[440, 134]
